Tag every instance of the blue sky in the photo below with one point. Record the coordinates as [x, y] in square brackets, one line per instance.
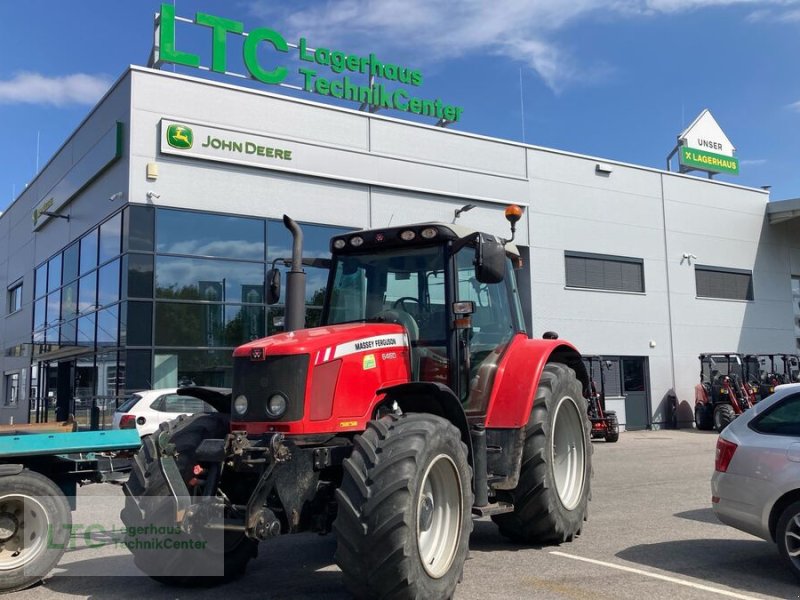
[617, 79]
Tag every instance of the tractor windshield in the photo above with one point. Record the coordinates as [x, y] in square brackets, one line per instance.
[406, 286]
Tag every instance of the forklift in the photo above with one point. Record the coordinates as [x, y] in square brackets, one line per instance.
[605, 424]
[724, 391]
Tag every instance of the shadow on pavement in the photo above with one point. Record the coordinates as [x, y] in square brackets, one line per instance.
[746, 565]
[486, 537]
[702, 515]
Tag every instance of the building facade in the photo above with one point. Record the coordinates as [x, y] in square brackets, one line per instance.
[136, 258]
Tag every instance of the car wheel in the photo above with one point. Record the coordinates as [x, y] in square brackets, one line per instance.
[787, 535]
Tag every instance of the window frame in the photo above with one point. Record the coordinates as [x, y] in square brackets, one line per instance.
[14, 297]
[727, 271]
[612, 258]
[7, 401]
[756, 421]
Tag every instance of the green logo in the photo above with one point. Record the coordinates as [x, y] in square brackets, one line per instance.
[180, 136]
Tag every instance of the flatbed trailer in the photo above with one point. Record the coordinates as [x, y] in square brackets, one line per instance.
[40, 470]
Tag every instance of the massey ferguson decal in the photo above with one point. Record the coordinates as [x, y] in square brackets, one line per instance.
[378, 342]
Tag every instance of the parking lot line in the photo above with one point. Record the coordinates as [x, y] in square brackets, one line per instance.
[691, 584]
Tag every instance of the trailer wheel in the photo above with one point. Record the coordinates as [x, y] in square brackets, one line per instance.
[612, 431]
[703, 418]
[723, 415]
[404, 516]
[552, 496]
[35, 528]
[146, 482]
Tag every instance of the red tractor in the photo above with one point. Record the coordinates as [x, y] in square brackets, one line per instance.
[419, 403]
[605, 424]
[723, 392]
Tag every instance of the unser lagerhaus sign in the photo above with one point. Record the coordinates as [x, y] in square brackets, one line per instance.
[315, 65]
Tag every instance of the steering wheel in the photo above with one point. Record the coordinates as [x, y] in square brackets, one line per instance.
[401, 304]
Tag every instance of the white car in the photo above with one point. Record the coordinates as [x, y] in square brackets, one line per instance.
[756, 481]
[148, 409]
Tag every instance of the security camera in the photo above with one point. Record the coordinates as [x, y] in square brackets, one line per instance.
[115, 197]
[151, 194]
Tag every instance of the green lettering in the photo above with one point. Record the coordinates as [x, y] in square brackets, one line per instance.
[287, 155]
[353, 62]
[308, 78]
[415, 105]
[166, 40]
[249, 148]
[251, 42]
[398, 99]
[322, 56]
[322, 86]
[219, 45]
[278, 153]
[301, 48]
[449, 112]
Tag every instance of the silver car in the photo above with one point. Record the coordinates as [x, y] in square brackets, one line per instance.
[756, 481]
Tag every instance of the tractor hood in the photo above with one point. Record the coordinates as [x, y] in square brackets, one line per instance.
[327, 343]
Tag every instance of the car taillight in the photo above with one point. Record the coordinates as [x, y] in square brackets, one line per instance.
[725, 450]
[127, 422]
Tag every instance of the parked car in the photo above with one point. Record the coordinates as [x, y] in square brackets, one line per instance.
[756, 481]
[148, 409]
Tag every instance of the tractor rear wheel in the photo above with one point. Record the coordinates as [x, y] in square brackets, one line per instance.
[404, 516]
[612, 431]
[552, 496]
[148, 485]
[35, 528]
[723, 415]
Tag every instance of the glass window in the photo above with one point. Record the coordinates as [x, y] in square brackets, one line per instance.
[140, 317]
[69, 333]
[86, 330]
[51, 335]
[110, 238]
[87, 293]
[69, 300]
[204, 234]
[140, 275]
[70, 266]
[179, 324]
[88, 245]
[53, 308]
[175, 403]
[727, 284]
[782, 419]
[192, 367]
[243, 324]
[54, 273]
[39, 310]
[109, 377]
[15, 298]
[40, 288]
[207, 279]
[108, 326]
[796, 307]
[139, 223]
[136, 365]
[600, 272]
[108, 284]
[12, 390]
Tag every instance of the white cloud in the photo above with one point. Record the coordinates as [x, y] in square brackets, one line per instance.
[34, 88]
[753, 162]
[431, 32]
[794, 106]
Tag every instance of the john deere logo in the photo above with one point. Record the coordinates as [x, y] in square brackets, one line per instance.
[180, 136]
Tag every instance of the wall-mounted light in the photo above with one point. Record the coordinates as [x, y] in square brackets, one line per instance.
[115, 197]
[688, 257]
[463, 209]
[151, 194]
[603, 169]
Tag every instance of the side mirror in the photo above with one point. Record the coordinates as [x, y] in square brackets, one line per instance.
[490, 262]
[273, 286]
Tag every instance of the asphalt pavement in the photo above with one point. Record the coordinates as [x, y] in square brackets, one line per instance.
[651, 534]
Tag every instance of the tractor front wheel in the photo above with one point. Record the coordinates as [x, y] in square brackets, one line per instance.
[404, 519]
[723, 415]
[552, 496]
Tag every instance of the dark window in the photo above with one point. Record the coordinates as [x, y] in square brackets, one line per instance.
[54, 273]
[137, 324]
[203, 234]
[140, 276]
[175, 403]
[137, 366]
[108, 284]
[179, 324]
[108, 326]
[207, 279]
[12, 390]
[782, 419]
[70, 267]
[727, 284]
[192, 367]
[88, 252]
[140, 228]
[15, 298]
[40, 288]
[110, 238]
[601, 272]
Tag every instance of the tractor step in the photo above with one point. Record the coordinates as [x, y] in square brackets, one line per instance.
[496, 508]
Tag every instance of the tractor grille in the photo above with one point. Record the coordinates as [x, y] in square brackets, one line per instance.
[258, 380]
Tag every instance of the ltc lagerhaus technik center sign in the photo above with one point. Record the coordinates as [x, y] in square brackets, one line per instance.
[336, 61]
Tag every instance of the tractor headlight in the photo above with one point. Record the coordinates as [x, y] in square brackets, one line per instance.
[276, 405]
[240, 404]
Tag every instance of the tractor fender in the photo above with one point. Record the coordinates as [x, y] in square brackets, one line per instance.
[10, 469]
[518, 377]
[429, 397]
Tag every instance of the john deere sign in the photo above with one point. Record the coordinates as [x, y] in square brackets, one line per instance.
[180, 136]
[705, 147]
[315, 63]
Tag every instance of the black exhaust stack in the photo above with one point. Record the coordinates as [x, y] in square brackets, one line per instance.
[295, 280]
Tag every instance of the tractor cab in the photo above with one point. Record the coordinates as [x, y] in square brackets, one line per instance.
[452, 289]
